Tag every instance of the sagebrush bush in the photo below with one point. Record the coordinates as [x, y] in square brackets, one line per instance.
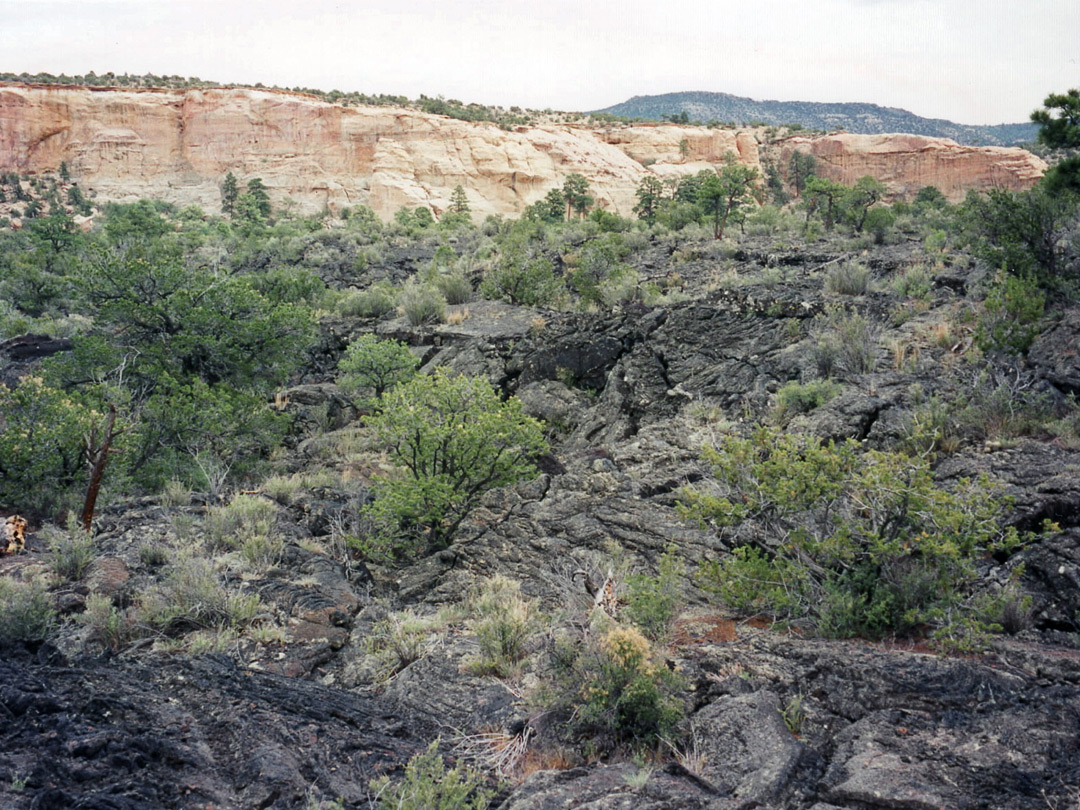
[1005, 409]
[503, 623]
[422, 305]
[110, 625]
[845, 340]
[399, 640]
[192, 596]
[914, 282]
[72, 551]
[848, 278]
[27, 612]
[153, 555]
[932, 426]
[282, 488]
[243, 518]
[455, 288]
[620, 289]
[374, 302]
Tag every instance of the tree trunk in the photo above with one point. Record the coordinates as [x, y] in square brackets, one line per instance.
[98, 458]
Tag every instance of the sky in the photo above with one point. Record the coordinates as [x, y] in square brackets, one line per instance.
[969, 61]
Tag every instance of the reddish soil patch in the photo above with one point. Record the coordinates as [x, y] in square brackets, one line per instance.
[712, 629]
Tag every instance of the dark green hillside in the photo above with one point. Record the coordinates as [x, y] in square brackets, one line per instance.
[856, 118]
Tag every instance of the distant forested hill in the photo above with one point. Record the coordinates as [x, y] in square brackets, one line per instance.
[858, 118]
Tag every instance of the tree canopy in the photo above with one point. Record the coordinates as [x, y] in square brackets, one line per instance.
[723, 192]
[454, 439]
[1059, 128]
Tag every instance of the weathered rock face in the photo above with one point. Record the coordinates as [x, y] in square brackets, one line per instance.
[907, 163]
[177, 145]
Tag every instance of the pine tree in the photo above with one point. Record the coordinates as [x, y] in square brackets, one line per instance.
[576, 191]
[459, 202]
[258, 192]
[229, 192]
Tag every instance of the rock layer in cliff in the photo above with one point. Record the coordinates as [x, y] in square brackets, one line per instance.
[177, 145]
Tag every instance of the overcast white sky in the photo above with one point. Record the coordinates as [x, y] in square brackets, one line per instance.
[971, 61]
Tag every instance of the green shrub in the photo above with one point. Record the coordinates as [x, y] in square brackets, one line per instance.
[520, 278]
[376, 365]
[857, 543]
[796, 397]
[1027, 233]
[202, 435]
[600, 261]
[936, 240]
[849, 278]
[1012, 311]
[27, 612]
[878, 222]
[374, 302]
[615, 689]
[504, 621]
[455, 288]
[653, 602]
[453, 439]
[42, 442]
[422, 305]
[429, 785]
[72, 551]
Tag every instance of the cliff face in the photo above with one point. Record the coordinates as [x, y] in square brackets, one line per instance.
[178, 145]
[907, 163]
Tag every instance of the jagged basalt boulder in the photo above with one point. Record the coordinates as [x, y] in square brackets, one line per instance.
[1056, 353]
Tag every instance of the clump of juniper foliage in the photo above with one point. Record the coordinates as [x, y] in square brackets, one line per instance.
[374, 365]
[653, 602]
[849, 542]
[452, 439]
[429, 785]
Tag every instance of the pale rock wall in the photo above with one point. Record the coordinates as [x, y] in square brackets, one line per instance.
[907, 163]
[177, 145]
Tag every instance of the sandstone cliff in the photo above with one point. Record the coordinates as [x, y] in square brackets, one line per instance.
[907, 163]
[177, 145]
